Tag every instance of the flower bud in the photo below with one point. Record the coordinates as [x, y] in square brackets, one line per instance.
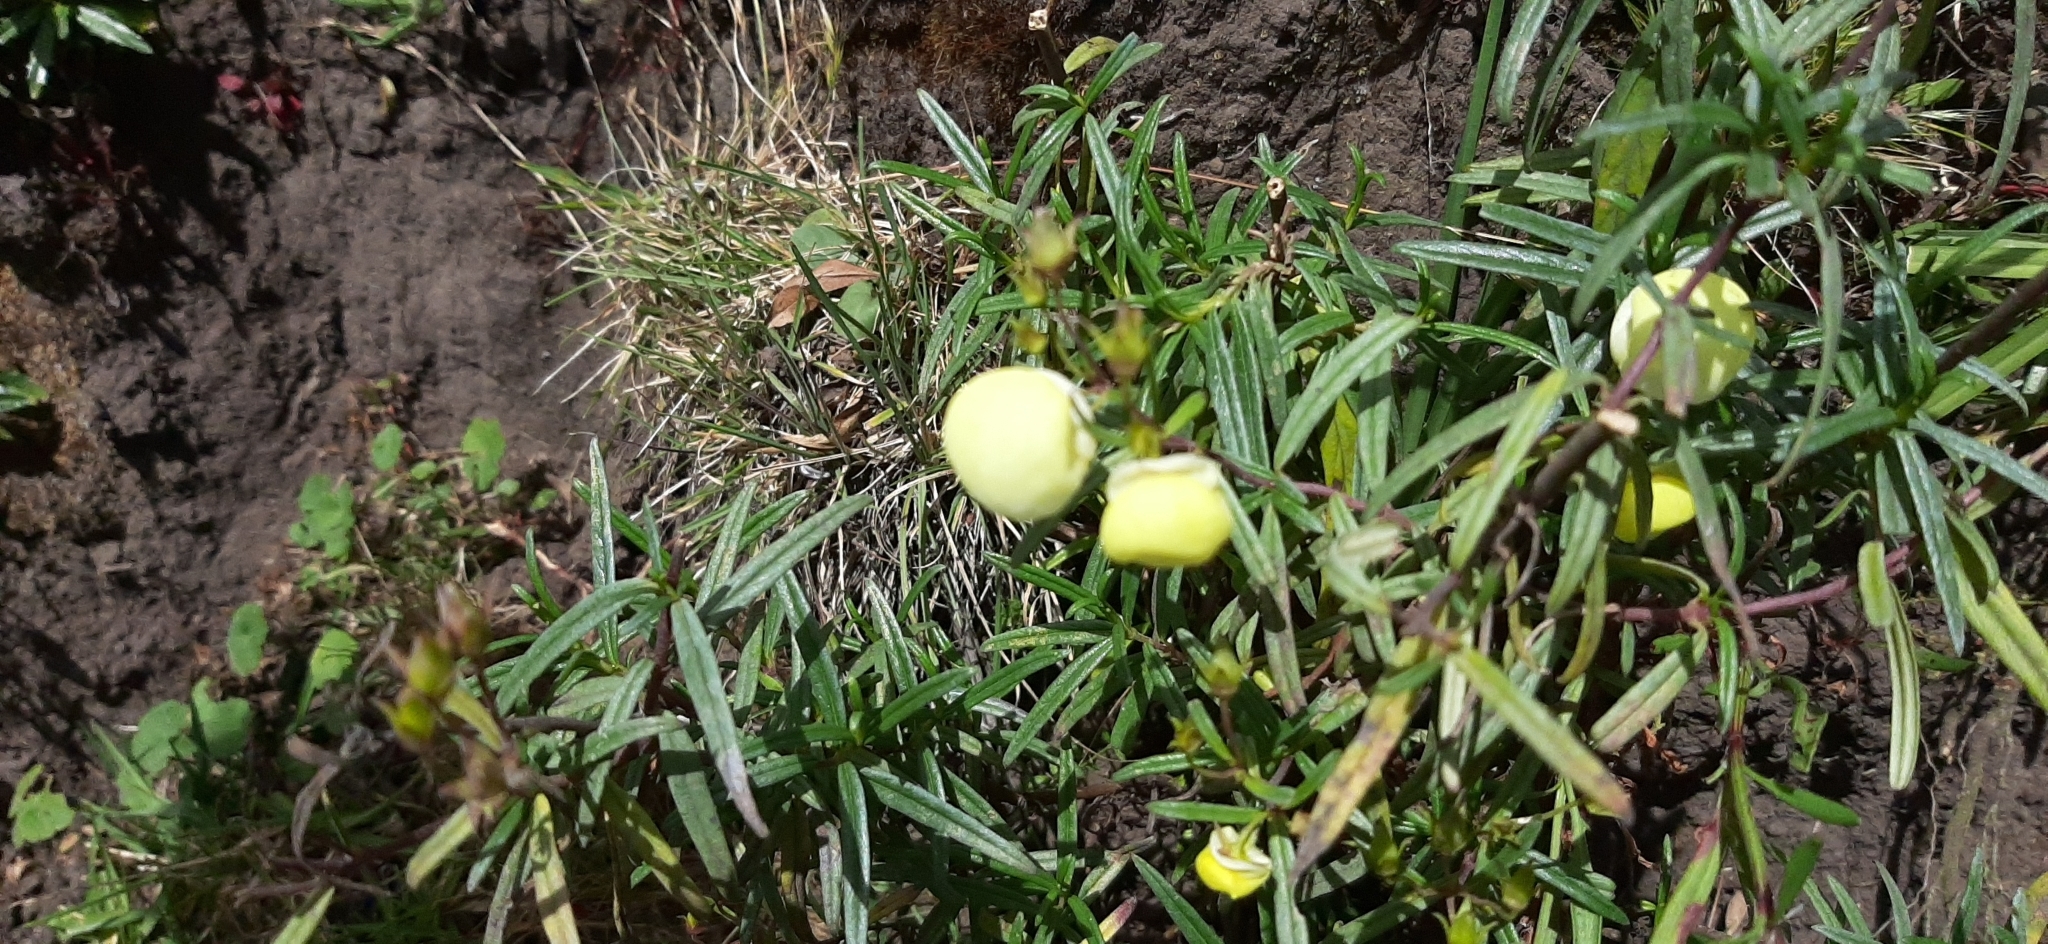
[430, 670]
[1018, 439]
[1125, 346]
[1464, 928]
[1232, 863]
[1718, 354]
[463, 626]
[1670, 505]
[412, 719]
[1517, 890]
[1222, 674]
[1166, 512]
[1048, 246]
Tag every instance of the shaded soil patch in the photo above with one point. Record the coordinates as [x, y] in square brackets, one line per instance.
[211, 286]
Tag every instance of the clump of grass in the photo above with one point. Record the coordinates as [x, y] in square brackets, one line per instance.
[771, 318]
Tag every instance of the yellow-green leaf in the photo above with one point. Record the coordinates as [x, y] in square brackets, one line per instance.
[1358, 768]
[300, 928]
[454, 831]
[550, 879]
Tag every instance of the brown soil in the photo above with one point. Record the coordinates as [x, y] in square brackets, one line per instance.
[212, 296]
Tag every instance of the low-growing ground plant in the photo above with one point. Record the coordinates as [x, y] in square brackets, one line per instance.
[278, 775]
[17, 393]
[41, 40]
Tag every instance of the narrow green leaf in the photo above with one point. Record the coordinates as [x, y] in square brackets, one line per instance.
[1929, 500]
[1427, 461]
[1998, 461]
[690, 790]
[1882, 607]
[2011, 636]
[1549, 738]
[1334, 375]
[453, 832]
[1054, 699]
[1518, 261]
[925, 693]
[1577, 884]
[1807, 802]
[550, 879]
[1358, 768]
[946, 820]
[755, 576]
[104, 24]
[1642, 703]
[603, 604]
[1190, 921]
[699, 662]
[1514, 53]
[1533, 417]
[1199, 812]
[1675, 916]
[301, 928]
[964, 151]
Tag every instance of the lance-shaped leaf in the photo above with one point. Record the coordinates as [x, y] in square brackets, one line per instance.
[1547, 736]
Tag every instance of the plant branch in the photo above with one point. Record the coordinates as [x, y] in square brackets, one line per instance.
[1996, 325]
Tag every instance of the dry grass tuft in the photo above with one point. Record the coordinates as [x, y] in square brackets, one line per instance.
[729, 375]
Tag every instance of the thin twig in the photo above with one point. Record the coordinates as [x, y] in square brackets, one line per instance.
[1566, 462]
[544, 724]
[1995, 325]
[1868, 44]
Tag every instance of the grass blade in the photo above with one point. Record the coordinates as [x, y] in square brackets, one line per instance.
[2023, 16]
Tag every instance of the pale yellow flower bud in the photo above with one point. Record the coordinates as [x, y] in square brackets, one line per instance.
[1232, 863]
[1018, 439]
[1670, 505]
[1166, 512]
[1718, 354]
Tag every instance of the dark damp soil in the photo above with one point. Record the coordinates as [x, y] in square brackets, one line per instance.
[204, 291]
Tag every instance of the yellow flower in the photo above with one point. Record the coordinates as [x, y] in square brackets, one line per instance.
[1670, 505]
[1018, 439]
[1720, 348]
[1232, 863]
[1166, 512]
